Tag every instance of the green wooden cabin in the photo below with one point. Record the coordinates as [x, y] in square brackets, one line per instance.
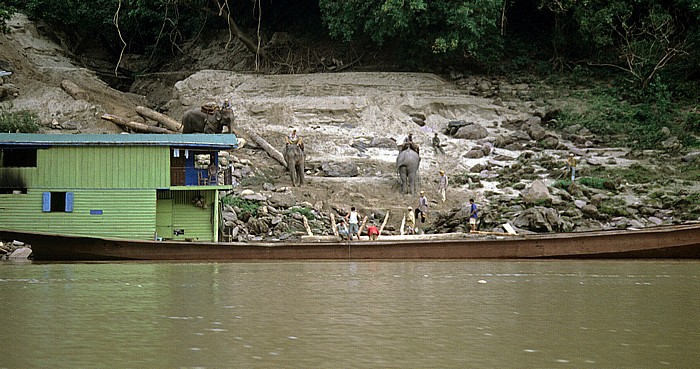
[133, 186]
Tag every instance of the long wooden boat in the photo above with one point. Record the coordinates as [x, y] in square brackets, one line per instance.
[678, 241]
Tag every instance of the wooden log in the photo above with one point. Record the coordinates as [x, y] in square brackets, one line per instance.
[74, 90]
[386, 217]
[266, 146]
[362, 226]
[140, 127]
[163, 119]
[306, 225]
[335, 228]
[509, 228]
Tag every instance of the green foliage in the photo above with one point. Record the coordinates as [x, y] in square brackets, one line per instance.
[6, 12]
[449, 28]
[632, 118]
[19, 122]
[613, 207]
[247, 206]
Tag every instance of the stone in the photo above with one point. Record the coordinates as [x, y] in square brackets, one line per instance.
[255, 197]
[343, 169]
[539, 219]
[579, 203]
[282, 199]
[382, 142]
[536, 192]
[590, 211]
[20, 253]
[655, 220]
[536, 132]
[472, 132]
[474, 154]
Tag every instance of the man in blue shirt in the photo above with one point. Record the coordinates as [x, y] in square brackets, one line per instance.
[473, 215]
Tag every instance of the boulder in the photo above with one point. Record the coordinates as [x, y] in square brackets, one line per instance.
[20, 253]
[344, 169]
[474, 153]
[539, 219]
[382, 142]
[536, 192]
[282, 199]
[472, 132]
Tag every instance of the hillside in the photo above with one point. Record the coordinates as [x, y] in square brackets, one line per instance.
[350, 122]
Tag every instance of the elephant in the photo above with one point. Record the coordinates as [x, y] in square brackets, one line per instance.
[407, 164]
[196, 121]
[295, 157]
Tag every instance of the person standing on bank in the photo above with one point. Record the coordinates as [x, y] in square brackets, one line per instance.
[422, 209]
[353, 218]
[571, 165]
[473, 215]
[437, 146]
[442, 186]
[410, 220]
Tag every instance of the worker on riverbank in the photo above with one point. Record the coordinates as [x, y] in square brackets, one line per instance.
[473, 215]
[372, 232]
[353, 219]
[442, 185]
[571, 165]
[409, 221]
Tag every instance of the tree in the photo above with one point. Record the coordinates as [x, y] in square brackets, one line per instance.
[467, 28]
[6, 12]
[637, 37]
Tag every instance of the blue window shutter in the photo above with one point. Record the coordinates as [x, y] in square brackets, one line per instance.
[46, 201]
[69, 202]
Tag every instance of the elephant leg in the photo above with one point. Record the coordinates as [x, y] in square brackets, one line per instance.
[293, 174]
[300, 174]
[404, 179]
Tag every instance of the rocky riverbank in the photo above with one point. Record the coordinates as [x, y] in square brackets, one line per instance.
[503, 144]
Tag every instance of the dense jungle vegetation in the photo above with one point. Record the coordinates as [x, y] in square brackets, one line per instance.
[635, 62]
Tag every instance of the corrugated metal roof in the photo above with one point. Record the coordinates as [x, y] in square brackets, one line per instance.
[211, 141]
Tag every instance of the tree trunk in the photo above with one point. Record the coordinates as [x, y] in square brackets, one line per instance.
[265, 146]
[163, 119]
[74, 90]
[222, 11]
[135, 125]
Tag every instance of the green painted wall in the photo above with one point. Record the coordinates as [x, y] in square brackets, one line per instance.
[125, 213]
[100, 167]
[195, 221]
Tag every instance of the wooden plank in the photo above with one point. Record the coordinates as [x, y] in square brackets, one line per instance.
[334, 226]
[306, 225]
[386, 217]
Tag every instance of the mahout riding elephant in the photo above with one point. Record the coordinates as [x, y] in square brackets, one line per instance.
[196, 121]
[407, 164]
[295, 157]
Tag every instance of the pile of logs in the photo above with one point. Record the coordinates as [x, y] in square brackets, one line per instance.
[168, 125]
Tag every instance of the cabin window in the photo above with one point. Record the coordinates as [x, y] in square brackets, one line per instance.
[57, 202]
[13, 191]
[18, 158]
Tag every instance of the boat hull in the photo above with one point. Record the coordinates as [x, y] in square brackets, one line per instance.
[681, 241]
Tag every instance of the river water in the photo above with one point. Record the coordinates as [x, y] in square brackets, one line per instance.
[408, 314]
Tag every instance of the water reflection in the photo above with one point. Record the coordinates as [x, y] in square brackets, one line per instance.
[486, 314]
